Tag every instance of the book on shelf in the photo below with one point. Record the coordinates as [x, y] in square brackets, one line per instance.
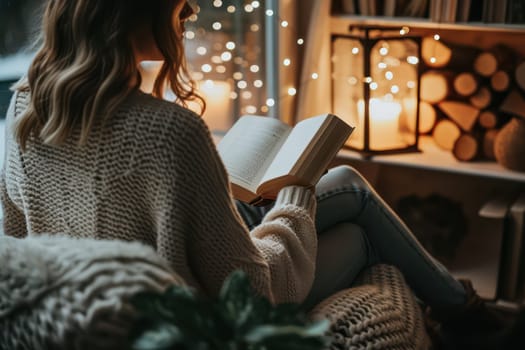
[449, 10]
[463, 11]
[514, 253]
[495, 11]
[389, 8]
[364, 8]
[348, 7]
[515, 11]
[499, 14]
[488, 8]
[435, 10]
[263, 155]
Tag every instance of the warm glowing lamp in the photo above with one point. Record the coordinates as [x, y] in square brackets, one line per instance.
[376, 79]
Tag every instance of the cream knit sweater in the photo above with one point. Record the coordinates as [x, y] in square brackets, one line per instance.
[152, 174]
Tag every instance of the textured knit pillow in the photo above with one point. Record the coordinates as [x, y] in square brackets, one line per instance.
[63, 293]
[380, 312]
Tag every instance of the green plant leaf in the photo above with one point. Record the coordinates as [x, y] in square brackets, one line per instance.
[238, 305]
[162, 336]
[260, 333]
[238, 319]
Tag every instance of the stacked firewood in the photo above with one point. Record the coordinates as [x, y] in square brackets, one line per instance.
[468, 94]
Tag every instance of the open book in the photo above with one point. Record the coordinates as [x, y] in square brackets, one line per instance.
[263, 154]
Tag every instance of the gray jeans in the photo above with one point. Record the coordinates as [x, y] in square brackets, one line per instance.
[356, 229]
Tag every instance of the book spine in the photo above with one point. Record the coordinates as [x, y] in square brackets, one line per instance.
[372, 8]
[499, 11]
[435, 10]
[488, 6]
[363, 8]
[516, 11]
[390, 8]
[349, 7]
[515, 253]
[463, 13]
[449, 10]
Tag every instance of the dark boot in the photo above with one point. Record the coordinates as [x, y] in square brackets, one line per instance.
[471, 326]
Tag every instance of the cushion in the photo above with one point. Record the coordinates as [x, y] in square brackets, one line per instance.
[63, 293]
[379, 312]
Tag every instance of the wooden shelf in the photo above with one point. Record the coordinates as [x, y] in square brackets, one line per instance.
[340, 22]
[433, 158]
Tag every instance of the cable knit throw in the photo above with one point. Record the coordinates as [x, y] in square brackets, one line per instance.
[380, 312]
[64, 293]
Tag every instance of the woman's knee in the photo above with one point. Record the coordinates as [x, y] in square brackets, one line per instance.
[343, 176]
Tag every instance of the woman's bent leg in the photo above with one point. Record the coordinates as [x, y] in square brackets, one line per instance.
[342, 254]
[345, 196]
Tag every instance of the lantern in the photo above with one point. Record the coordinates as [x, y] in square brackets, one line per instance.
[376, 82]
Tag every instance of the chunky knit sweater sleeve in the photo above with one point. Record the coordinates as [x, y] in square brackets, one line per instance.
[279, 255]
[13, 219]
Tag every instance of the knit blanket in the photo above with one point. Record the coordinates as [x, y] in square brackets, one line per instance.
[63, 293]
[379, 312]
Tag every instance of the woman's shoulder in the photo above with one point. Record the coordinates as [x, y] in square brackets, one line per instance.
[161, 122]
[160, 113]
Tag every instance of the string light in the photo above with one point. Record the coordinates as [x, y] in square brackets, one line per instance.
[226, 56]
[251, 109]
[412, 60]
[201, 50]
[436, 37]
[245, 64]
[242, 84]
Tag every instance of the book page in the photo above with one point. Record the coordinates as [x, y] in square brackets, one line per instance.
[293, 148]
[249, 146]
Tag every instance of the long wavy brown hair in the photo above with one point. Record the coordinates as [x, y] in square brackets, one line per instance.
[85, 65]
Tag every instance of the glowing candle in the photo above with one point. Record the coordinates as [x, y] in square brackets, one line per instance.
[384, 122]
[219, 106]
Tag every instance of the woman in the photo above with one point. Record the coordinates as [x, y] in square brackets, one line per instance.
[89, 155]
